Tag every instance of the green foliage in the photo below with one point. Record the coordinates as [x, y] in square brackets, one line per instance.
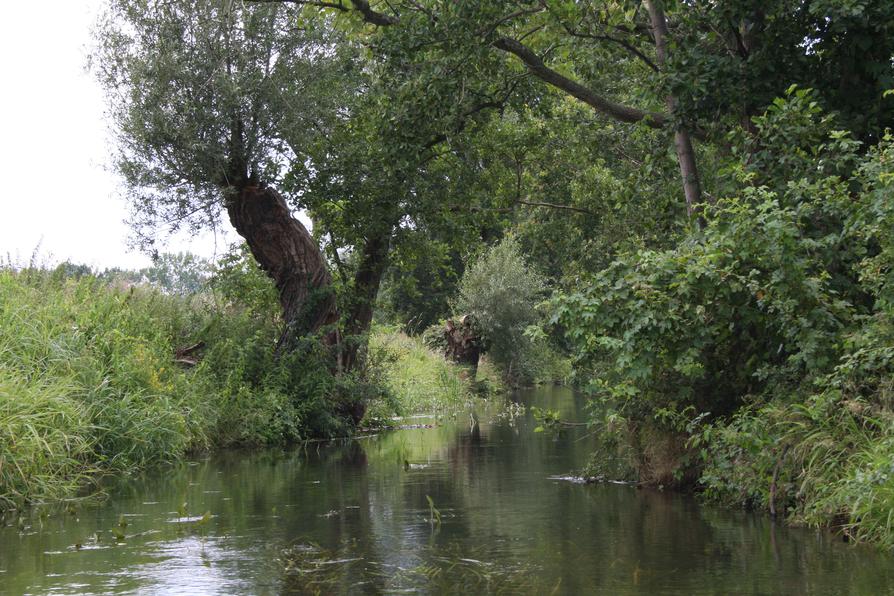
[417, 379]
[549, 420]
[45, 440]
[501, 292]
[829, 451]
[824, 459]
[91, 379]
[763, 338]
[202, 97]
[91, 365]
[239, 281]
[760, 337]
[737, 56]
[422, 277]
[746, 307]
[182, 273]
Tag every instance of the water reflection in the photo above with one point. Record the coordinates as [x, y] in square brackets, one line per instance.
[354, 517]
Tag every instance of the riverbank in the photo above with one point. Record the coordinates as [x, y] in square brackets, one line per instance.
[100, 377]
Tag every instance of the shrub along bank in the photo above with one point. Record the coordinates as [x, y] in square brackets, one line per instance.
[761, 347]
[90, 383]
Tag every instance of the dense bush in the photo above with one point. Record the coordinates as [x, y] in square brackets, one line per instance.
[763, 342]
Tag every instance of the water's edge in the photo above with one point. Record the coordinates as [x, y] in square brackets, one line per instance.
[478, 503]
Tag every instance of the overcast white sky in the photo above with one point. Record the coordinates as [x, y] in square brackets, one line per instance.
[53, 145]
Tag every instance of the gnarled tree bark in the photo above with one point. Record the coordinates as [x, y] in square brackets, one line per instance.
[288, 253]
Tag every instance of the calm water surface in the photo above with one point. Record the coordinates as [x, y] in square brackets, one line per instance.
[354, 517]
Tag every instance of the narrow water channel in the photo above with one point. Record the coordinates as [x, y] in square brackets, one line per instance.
[355, 517]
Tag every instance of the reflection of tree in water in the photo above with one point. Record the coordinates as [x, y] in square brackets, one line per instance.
[352, 517]
[508, 528]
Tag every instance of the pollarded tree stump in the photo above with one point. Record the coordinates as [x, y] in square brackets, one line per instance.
[463, 342]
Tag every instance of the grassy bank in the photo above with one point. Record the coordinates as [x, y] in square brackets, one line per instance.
[90, 381]
[419, 379]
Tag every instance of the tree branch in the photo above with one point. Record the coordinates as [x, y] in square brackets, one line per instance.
[463, 119]
[339, 266]
[362, 6]
[371, 16]
[554, 206]
[519, 13]
[682, 139]
[534, 63]
[623, 43]
[479, 208]
[317, 3]
[575, 89]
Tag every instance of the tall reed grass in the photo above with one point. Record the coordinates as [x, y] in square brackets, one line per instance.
[89, 382]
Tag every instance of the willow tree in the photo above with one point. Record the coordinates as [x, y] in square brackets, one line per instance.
[200, 93]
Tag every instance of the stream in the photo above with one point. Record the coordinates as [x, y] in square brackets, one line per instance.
[472, 505]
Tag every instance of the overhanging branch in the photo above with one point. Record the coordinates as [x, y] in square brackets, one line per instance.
[362, 6]
[575, 89]
[534, 63]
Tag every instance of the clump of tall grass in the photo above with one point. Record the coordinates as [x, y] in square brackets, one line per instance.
[45, 440]
[89, 381]
[419, 379]
[824, 460]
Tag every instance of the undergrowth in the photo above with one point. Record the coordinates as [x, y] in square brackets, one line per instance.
[754, 361]
[90, 381]
[100, 376]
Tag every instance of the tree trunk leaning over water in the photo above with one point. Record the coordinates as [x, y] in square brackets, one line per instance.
[288, 253]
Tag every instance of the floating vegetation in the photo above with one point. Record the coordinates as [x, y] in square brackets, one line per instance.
[591, 480]
[309, 568]
[434, 516]
[510, 413]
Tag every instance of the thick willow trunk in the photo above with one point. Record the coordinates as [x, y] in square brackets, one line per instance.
[285, 249]
[463, 342]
